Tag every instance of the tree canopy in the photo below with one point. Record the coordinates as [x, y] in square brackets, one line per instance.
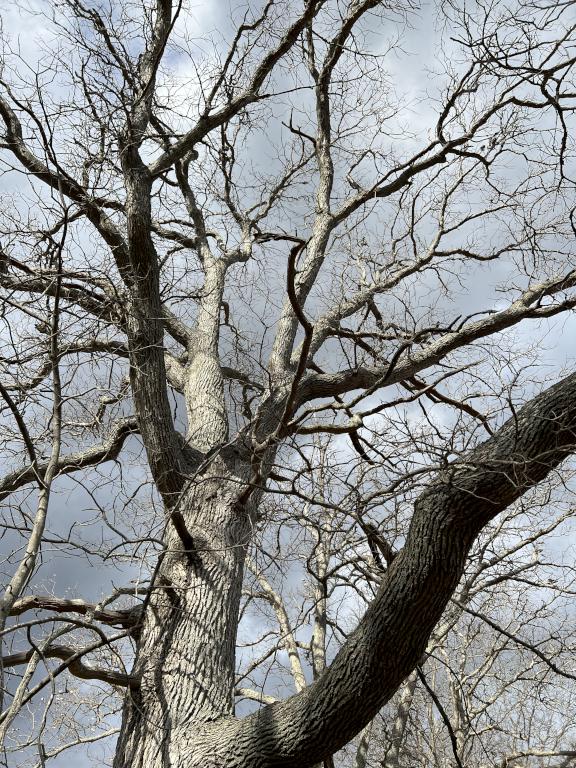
[287, 388]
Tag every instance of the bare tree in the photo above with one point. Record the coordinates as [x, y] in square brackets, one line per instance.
[218, 249]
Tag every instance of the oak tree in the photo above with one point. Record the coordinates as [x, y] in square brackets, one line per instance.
[218, 245]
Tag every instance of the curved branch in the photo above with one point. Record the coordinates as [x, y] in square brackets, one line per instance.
[123, 618]
[392, 636]
[74, 665]
[528, 305]
[72, 462]
[61, 182]
[208, 122]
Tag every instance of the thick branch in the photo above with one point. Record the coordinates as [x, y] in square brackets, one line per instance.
[145, 321]
[392, 636]
[123, 618]
[75, 666]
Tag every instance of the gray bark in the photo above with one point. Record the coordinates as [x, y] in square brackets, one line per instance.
[179, 708]
[181, 715]
[185, 666]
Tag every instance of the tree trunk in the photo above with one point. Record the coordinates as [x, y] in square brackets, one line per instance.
[185, 661]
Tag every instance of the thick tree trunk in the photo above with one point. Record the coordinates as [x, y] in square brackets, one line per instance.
[186, 653]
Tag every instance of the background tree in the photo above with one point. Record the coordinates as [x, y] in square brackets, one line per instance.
[218, 249]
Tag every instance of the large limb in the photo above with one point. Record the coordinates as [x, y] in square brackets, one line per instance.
[127, 617]
[145, 325]
[392, 636]
[134, 254]
[534, 302]
[204, 380]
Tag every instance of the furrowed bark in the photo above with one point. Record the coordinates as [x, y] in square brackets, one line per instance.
[186, 655]
[179, 707]
[146, 340]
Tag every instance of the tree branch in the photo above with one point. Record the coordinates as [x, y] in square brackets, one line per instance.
[72, 462]
[528, 305]
[75, 665]
[209, 121]
[392, 636]
[123, 618]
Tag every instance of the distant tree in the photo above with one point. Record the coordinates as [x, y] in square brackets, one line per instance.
[256, 258]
